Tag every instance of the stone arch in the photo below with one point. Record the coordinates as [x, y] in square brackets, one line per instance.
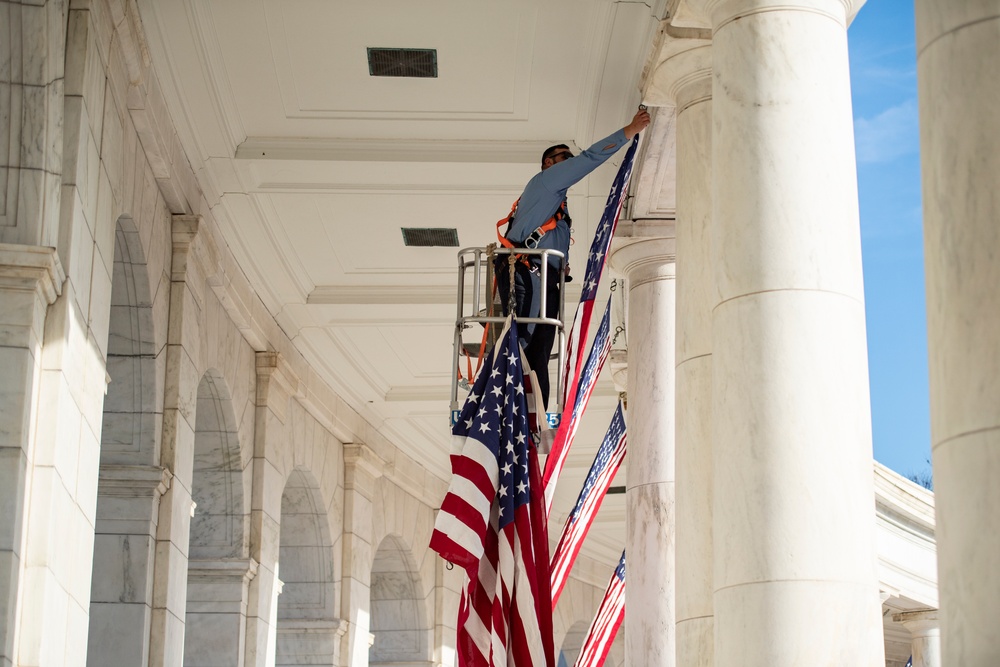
[219, 569]
[219, 525]
[399, 625]
[130, 483]
[129, 432]
[307, 623]
[572, 642]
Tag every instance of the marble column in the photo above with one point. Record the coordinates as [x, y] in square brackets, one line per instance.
[684, 76]
[924, 628]
[362, 468]
[648, 264]
[31, 279]
[180, 397]
[795, 576]
[958, 46]
[276, 383]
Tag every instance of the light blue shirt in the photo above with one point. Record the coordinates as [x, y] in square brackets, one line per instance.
[545, 192]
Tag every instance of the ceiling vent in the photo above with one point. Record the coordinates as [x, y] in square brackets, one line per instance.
[430, 236]
[420, 63]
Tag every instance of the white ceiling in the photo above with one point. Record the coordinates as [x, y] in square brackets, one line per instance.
[311, 166]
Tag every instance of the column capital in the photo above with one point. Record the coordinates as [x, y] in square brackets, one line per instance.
[133, 481]
[720, 12]
[922, 623]
[223, 569]
[276, 383]
[31, 278]
[362, 466]
[644, 259]
[683, 73]
[31, 268]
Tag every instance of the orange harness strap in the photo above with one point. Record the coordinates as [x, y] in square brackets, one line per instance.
[541, 231]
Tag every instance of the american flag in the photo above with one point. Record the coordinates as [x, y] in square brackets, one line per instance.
[604, 627]
[609, 458]
[492, 523]
[581, 321]
[567, 427]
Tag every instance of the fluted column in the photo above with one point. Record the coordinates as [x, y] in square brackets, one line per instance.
[958, 49]
[684, 77]
[795, 579]
[648, 263]
[925, 630]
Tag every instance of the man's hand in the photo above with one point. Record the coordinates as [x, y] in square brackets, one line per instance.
[639, 123]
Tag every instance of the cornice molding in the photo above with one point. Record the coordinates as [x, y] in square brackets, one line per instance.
[32, 268]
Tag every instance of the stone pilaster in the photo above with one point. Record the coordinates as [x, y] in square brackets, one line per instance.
[684, 78]
[648, 264]
[795, 580]
[32, 59]
[30, 280]
[180, 399]
[216, 610]
[121, 593]
[924, 628]
[276, 383]
[362, 468]
[959, 93]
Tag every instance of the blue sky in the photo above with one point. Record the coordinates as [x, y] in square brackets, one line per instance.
[884, 91]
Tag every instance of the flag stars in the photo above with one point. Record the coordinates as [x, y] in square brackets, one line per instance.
[485, 428]
[521, 487]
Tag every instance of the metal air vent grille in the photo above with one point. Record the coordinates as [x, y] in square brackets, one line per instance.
[430, 236]
[420, 63]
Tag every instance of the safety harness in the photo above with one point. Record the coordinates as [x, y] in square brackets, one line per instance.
[533, 239]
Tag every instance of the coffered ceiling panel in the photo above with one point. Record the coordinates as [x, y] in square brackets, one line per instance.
[310, 167]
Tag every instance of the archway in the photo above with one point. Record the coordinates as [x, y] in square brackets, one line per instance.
[130, 483]
[218, 568]
[398, 621]
[307, 620]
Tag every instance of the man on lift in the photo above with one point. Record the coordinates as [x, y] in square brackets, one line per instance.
[540, 219]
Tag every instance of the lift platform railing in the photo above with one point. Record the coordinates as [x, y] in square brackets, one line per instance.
[483, 310]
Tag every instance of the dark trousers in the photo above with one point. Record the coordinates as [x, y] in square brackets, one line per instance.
[536, 339]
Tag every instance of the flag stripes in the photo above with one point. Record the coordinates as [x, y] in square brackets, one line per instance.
[606, 463]
[577, 340]
[492, 521]
[610, 614]
[568, 427]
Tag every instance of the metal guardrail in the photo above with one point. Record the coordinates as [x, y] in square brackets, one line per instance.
[484, 311]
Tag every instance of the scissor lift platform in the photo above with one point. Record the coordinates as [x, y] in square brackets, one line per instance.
[479, 305]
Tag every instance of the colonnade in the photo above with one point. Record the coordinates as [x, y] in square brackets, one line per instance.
[773, 535]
